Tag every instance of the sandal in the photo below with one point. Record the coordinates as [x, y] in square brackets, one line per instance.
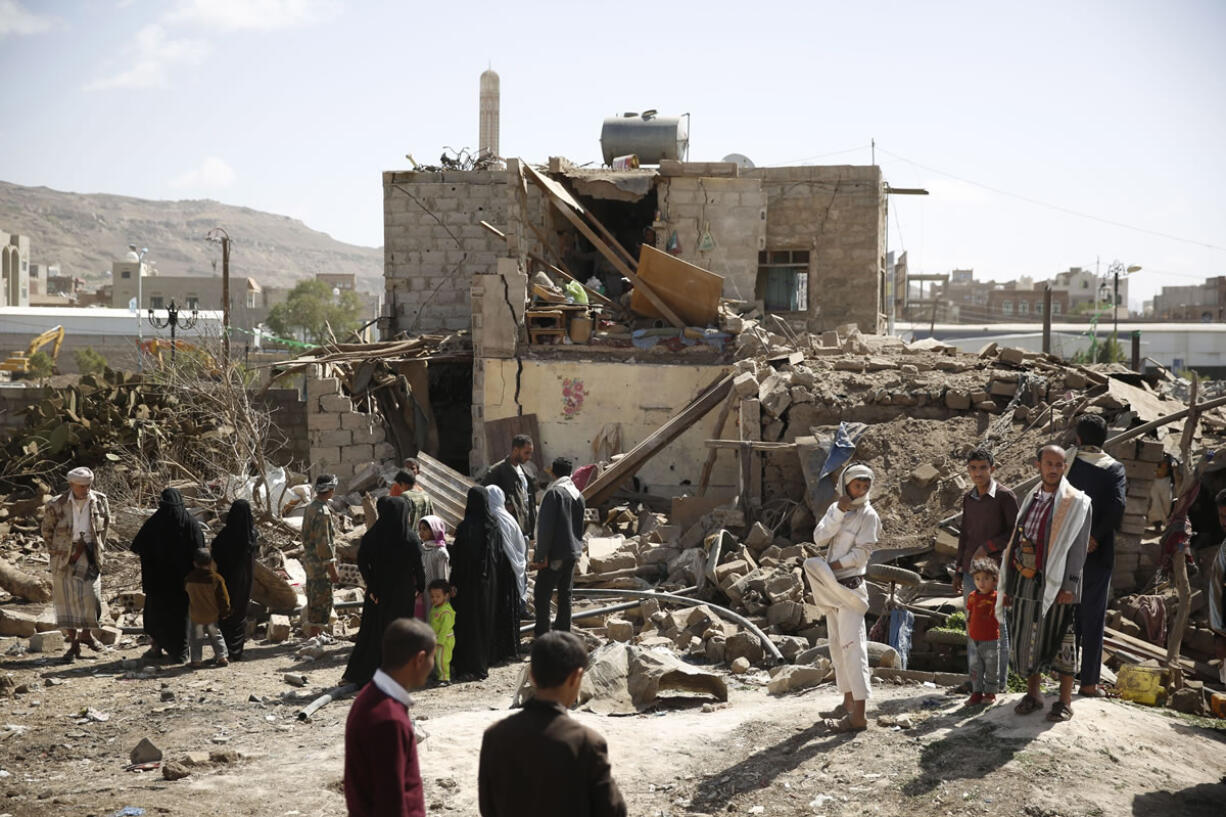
[843, 725]
[1027, 705]
[1060, 712]
[838, 713]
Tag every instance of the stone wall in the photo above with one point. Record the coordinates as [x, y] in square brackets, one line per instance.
[838, 214]
[341, 439]
[433, 244]
[288, 434]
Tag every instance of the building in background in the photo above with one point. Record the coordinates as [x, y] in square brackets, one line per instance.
[1204, 302]
[14, 269]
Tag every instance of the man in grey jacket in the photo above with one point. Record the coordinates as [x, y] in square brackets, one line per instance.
[559, 543]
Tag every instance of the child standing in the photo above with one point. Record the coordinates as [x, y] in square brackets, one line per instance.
[209, 602]
[442, 621]
[983, 629]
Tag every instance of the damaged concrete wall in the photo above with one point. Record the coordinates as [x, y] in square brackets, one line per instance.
[341, 438]
[838, 214]
[733, 211]
[433, 244]
[575, 400]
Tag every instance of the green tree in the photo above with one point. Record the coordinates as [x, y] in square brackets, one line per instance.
[311, 308]
[40, 365]
[89, 361]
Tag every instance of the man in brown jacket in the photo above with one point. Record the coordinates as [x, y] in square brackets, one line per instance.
[541, 762]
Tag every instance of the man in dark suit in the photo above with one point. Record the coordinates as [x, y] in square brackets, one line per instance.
[559, 544]
[381, 773]
[1103, 479]
[541, 762]
[519, 488]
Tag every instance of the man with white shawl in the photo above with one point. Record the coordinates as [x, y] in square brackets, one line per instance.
[513, 542]
[1040, 583]
[850, 527]
[74, 529]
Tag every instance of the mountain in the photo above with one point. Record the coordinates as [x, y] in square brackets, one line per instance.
[84, 233]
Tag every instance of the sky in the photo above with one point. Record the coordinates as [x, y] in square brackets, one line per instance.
[1049, 134]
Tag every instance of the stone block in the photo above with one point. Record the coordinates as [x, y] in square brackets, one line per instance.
[786, 615]
[759, 537]
[784, 587]
[335, 404]
[774, 393]
[108, 635]
[1001, 388]
[648, 608]
[145, 752]
[357, 454]
[1150, 450]
[745, 384]
[618, 629]
[1139, 469]
[730, 570]
[746, 646]
[715, 649]
[925, 475]
[740, 665]
[17, 622]
[49, 642]
[320, 386]
[278, 628]
[794, 676]
[332, 439]
[1012, 355]
[357, 421]
[958, 400]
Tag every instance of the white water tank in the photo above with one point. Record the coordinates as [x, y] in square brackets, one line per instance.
[646, 135]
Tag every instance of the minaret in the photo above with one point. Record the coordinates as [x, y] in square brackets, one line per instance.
[489, 115]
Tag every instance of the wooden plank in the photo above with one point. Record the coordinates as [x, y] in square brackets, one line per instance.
[704, 480]
[1157, 653]
[498, 434]
[564, 206]
[600, 488]
[755, 445]
[694, 291]
[751, 430]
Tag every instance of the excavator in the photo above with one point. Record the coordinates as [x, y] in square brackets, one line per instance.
[19, 362]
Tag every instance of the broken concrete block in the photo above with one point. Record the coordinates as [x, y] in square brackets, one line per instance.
[794, 676]
[784, 587]
[737, 567]
[759, 537]
[1012, 355]
[853, 364]
[174, 771]
[790, 646]
[957, 400]
[1149, 450]
[745, 645]
[715, 649]
[803, 376]
[831, 338]
[786, 615]
[278, 628]
[878, 364]
[925, 475]
[145, 752]
[108, 635]
[1001, 388]
[774, 393]
[986, 405]
[50, 641]
[745, 384]
[618, 629]
[195, 759]
[740, 666]
[223, 756]
[17, 622]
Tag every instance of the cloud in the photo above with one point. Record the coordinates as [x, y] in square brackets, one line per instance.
[253, 15]
[212, 174]
[15, 19]
[150, 58]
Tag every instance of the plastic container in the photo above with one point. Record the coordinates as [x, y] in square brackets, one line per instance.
[1139, 684]
[581, 329]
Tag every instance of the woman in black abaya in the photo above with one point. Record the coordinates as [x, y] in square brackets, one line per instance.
[389, 559]
[166, 543]
[234, 552]
[486, 601]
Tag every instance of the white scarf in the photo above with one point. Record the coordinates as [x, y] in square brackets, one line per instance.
[513, 543]
[566, 485]
[1070, 511]
[1091, 455]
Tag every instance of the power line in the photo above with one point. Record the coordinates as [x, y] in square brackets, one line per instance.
[1055, 207]
[820, 156]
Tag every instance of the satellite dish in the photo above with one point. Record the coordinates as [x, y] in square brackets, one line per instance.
[742, 161]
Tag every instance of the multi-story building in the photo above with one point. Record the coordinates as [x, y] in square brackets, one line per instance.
[1204, 302]
[14, 269]
[1013, 303]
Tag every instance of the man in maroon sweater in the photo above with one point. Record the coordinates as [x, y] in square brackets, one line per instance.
[381, 774]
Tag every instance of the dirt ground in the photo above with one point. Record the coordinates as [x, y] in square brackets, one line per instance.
[758, 754]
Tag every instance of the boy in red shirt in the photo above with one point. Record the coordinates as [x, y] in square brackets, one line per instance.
[983, 629]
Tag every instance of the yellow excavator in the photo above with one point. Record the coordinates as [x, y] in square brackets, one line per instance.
[19, 362]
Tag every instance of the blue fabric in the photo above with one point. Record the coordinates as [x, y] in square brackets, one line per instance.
[902, 624]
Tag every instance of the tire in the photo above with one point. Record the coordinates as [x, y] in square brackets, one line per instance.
[893, 573]
[951, 638]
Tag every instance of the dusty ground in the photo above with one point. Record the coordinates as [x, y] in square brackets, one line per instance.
[757, 755]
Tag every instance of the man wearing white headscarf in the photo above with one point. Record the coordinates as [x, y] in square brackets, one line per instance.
[513, 542]
[850, 527]
[74, 529]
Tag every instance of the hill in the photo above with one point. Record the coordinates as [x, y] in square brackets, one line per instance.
[83, 233]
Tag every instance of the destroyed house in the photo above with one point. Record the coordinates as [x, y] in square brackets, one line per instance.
[466, 250]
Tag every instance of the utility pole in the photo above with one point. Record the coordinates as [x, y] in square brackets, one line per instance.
[220, 235]
[1047, 318]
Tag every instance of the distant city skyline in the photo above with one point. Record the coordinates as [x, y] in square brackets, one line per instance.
[1048, 134]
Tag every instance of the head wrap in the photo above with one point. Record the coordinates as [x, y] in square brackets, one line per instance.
[858, 470]
[512, 537]
[81, 476]
[438, 530]
[325, 483]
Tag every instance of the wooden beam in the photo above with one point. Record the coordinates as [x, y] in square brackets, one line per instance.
[613, 258]
[755, 445]
[604, 485]
[613, 242]
[705, 480]
[593, 294]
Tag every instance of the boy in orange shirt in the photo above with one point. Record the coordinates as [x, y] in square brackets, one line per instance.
[983, 628]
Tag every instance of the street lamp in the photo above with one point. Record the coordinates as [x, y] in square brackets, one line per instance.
[173, 320]
[1116, 269]
[140, 275]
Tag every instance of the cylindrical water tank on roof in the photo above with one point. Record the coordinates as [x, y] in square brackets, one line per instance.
[647, 136]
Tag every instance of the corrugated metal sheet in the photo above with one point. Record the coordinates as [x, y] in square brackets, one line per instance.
[448, 489]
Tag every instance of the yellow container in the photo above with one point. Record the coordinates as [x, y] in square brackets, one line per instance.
[1140, 684]
[581, 329]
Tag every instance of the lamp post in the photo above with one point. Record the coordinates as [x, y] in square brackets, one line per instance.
[140, 276]
[1116, 269]
[221, 236]
[174, 321]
